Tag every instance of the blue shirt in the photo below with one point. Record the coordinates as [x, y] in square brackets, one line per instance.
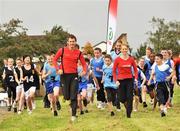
[140, 77]
[108, 77]
[53, 76]
[114, 55]
[85, 77]
[161, 72]
[97, 63]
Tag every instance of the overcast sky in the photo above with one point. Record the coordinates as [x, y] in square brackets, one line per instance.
[87, 19]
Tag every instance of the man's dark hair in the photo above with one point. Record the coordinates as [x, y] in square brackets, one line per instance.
[98, 49]
[104, 53]
[72, 37]
[52, 53]
[77, 46]
[149, 48]
[159, 55]
[87, 60]
[108, 56]
[27, 56]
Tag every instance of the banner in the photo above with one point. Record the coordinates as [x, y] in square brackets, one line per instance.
[111, 27]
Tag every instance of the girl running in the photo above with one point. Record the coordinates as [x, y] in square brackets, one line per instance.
[124, 78]
[19, 88]
[28, 81]
[10, 77]
[109, 84]
[52, 80]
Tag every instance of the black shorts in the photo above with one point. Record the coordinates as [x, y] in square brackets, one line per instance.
[11, 90]
[70, 86]
[162, 91]
[111, 94]
[125, 90]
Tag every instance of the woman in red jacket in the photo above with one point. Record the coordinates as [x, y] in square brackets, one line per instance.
[127, 70]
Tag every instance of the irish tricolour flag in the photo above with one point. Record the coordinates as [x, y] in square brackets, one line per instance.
[112, 18]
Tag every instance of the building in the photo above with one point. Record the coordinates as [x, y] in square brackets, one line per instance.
[101, 45]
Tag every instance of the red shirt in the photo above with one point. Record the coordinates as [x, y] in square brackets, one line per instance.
[124, 68]
[176, 61]
[69, 61]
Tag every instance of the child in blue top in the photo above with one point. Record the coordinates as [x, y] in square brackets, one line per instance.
[149, 63]
[52, 80]
[109, 84]
[163, 74]
[82, 89]
[96, 65]
[138, 88]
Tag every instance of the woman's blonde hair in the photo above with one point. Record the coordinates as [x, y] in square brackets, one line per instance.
[125, 44]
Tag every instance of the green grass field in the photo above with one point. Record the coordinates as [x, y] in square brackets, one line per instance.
[96, 120]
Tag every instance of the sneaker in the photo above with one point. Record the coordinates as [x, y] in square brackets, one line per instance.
[19, 112]
[14, 105]
[73, 118]
[118, 109]
[9, 108]
[144, 104]
[99, 105]
[135, 110]
[112, 113]
[102, 108]
[15, 109]
[86, 111]
[58, 105]
[165, 110]
[33, 106]
[55, 113]
[163, 114]
[151, 102]
[82, 112]
[29, 112]
[103, 105]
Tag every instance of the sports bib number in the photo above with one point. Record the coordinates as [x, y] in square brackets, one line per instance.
[31, 79]
[11, 78]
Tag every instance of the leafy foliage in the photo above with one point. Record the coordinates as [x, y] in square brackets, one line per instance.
[88, 49]
[165, 35]
[14, 41]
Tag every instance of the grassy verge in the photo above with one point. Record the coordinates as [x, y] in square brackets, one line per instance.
[96, 120]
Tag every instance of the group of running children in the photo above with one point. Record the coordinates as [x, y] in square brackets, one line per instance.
[116, 78]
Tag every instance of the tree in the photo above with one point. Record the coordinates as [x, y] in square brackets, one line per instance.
[164, 35]
[14, 41]
[141, 51]
[56, 36]
[12, 32]
[88, 49]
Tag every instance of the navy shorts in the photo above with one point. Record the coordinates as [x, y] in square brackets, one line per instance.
[50, 86]
[82, 85]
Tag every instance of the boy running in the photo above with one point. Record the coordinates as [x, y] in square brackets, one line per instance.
[163, 74]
